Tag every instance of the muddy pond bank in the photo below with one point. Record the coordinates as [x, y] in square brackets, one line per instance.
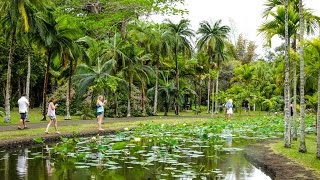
[276, 166]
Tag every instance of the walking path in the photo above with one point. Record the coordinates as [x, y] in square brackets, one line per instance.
[41, 124]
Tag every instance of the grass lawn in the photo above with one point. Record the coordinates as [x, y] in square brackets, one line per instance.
[30, 133]
[34, 116]
[308, 159]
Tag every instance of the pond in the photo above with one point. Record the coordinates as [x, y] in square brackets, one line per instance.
[150, 152]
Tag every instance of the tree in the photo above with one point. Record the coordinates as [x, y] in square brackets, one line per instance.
[179, 39]
[287, 138]
[314, 65]
[12, 13]
[212, 41]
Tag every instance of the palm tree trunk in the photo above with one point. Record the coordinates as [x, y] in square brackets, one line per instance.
[143, 105]
[294, 107]
[302, 147]
[28, 76]
[68, 117]
[287, 139]
[8, 83]
[216, 97]
[45, 87]
[212, 96]
[116, 104]
[208, 98]
[177, 82]
[318, 119]
[200, 92]
[155, 105]
[129, 96]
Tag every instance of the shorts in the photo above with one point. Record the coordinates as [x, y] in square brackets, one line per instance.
[52, 118]
[229, 111]
[23, 116]
[99, 113]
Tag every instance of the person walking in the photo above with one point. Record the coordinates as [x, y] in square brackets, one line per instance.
[229, 111]
[100, 111]
[52, 115]
[23, 109]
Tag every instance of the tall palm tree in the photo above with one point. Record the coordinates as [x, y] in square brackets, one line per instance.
[287, 139]
[302, 147]
[14, 13]
[314, 65]
[179, 37]
[212, 41]
[54, 40]
[276, 26]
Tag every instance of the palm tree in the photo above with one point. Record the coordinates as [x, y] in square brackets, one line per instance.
[314, 65]
[179, 38]
[287, 139]
[13, 12]
[54, 40]
[302, 147]
[212, 40]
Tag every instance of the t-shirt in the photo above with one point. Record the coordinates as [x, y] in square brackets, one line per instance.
[23, 104]
[229, 105]
[51, 111]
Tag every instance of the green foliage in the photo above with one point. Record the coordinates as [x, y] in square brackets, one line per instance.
[39, 140]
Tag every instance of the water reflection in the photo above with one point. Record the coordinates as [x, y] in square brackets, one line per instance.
[22, 164]
[37, 163]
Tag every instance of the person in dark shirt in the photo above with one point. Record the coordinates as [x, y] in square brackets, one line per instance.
[245, 105]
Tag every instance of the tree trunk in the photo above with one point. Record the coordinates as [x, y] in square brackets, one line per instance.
[143, 107]
[287, 139]
[200, 92]
[302, 147]
[318, 119]
[28, 76]
[68, 117]
[212, 96]
[216, 110]
[19, 87]
[129, 96]
[177, 83]
[116, 104]
[208, 98]
[8, 83]
[294, 107]
[45, 87]
[155, 105]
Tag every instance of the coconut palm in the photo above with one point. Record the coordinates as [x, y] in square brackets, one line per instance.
[287, 138]
[15, 13]
[212, 41]
[302, 147]
[178, 36]
[314, 68]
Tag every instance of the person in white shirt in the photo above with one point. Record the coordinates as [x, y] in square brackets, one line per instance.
[23, 109]
[52, 115]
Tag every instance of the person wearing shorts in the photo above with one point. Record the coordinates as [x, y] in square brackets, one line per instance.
[52, 115]
[100, 111]
[23, 109]
[229, 110]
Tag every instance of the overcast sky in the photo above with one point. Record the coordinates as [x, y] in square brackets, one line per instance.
[242, 15]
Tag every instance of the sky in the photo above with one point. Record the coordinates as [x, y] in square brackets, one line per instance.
[243, 16]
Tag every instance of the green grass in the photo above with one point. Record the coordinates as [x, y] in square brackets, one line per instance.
[34, 116]
[308, 159]
[36, 132]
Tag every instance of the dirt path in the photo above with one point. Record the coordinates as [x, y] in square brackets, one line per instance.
[42, 124]
[276, 166]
